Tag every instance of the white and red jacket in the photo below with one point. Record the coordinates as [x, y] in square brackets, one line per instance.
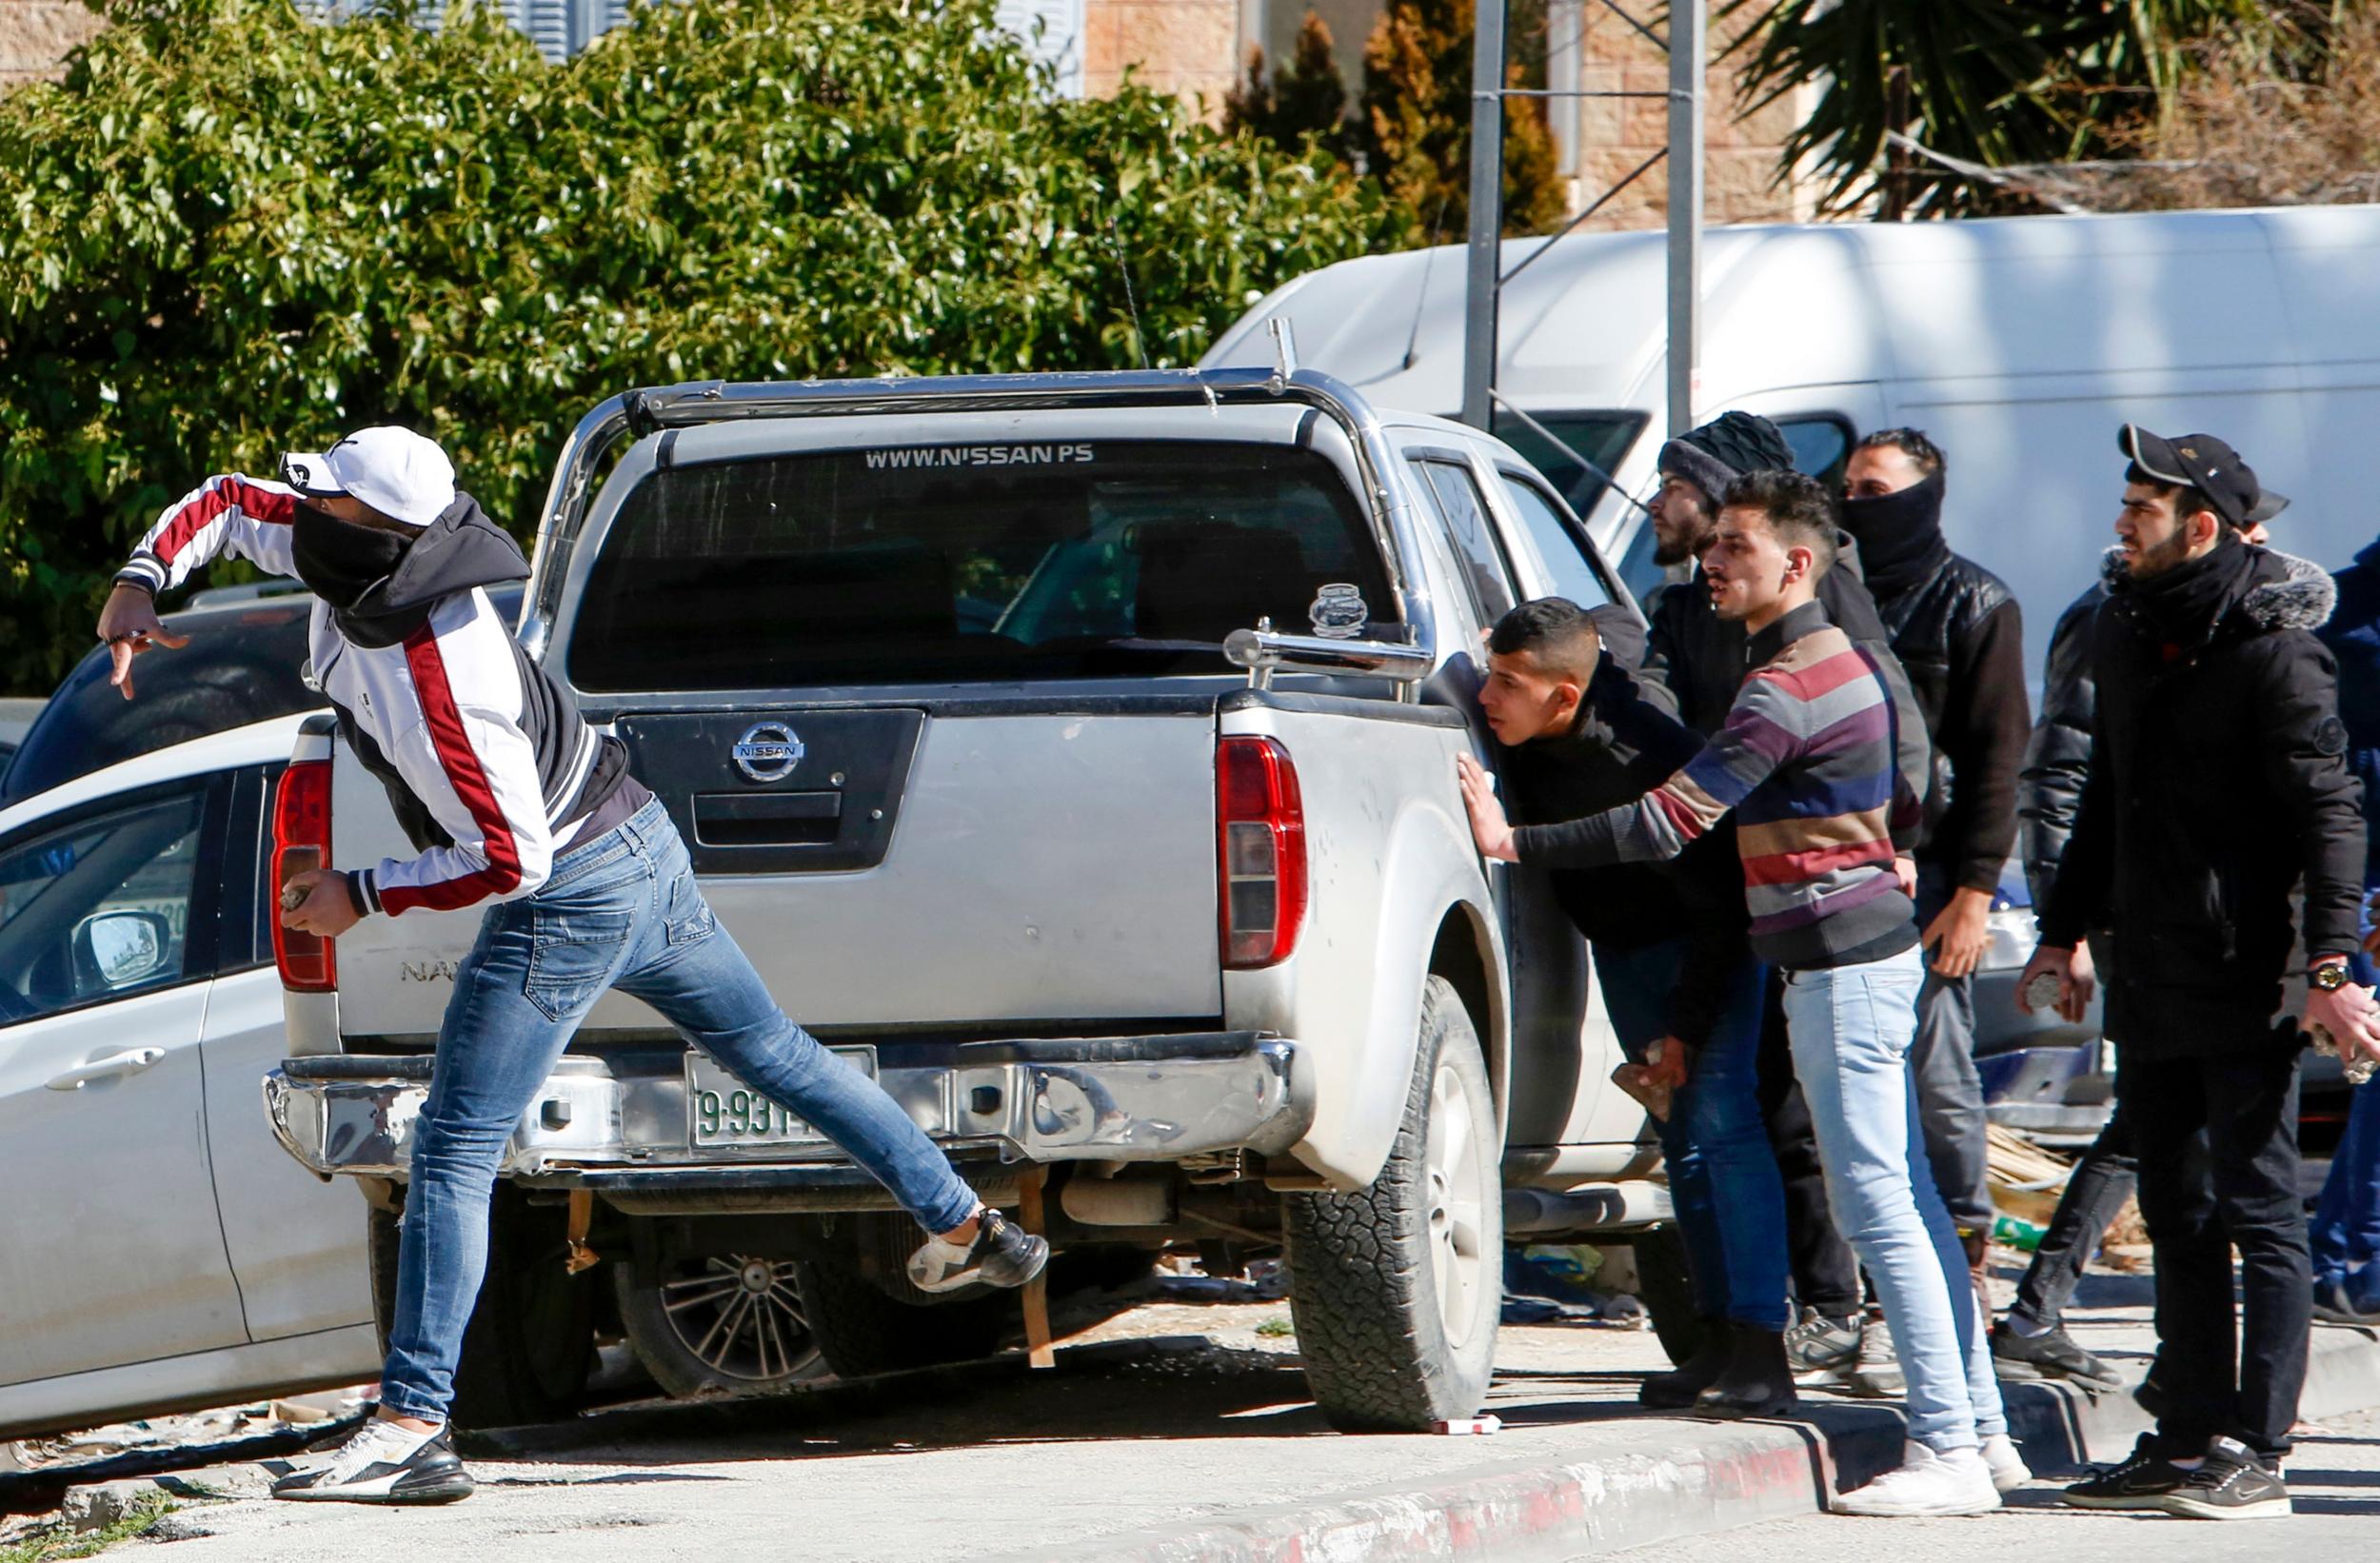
[486, 759]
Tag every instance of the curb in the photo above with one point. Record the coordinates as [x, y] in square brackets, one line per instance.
[1681, 1479]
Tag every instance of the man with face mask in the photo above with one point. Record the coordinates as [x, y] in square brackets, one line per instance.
[2218, 781]
[514, 804]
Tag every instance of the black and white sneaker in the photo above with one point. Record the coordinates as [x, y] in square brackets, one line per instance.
[2143, 1480]
[2051, 1355]
[1004, 1254]
[382, 1463]
[2232, 1483]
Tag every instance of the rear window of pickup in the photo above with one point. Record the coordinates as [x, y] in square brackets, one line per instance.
[970, 564]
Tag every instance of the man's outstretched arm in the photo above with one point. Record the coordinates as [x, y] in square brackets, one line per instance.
[246, 518]
[1758, 737]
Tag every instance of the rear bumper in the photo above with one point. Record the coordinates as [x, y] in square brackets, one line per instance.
[601, 1121]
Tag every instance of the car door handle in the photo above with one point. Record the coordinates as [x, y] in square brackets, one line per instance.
[107, 1068]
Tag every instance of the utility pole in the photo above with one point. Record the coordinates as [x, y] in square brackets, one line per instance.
[1482, 281]
[1688, 47]
[1686, 50]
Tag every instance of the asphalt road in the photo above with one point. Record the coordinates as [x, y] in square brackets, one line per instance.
[2334, 1477]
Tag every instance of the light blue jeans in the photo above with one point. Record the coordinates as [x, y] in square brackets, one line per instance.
[618, 912]
[1851, 1029]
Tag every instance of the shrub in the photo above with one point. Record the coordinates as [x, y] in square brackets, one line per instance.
[231, 231]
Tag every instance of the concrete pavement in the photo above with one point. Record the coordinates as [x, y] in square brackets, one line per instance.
[1178, 1433]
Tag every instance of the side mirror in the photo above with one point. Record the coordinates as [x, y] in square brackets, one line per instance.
[121, 948]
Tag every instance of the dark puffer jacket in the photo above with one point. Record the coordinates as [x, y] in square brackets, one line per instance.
[2217, 777]
[2354, 637]
[2058, 760]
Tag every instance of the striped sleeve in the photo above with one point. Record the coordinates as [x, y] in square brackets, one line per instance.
[246, 518]
[1761, 733]
[475, 769]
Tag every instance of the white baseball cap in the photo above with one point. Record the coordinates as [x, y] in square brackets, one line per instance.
[399, 474]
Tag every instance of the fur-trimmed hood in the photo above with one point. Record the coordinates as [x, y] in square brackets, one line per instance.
[2290, 593]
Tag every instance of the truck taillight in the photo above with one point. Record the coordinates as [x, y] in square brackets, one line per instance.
[301, 839]
[1262, 852]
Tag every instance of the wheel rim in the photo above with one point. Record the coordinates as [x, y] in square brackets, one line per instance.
[741, 1316]
[1457, 1191]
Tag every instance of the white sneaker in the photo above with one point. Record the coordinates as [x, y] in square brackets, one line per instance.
[2008, 1467]
[1927, 1483]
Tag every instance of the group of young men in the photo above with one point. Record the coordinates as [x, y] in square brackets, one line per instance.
[1781, 828]
[1843, 696]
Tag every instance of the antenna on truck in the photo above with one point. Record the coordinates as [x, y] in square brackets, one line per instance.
[1285, 351]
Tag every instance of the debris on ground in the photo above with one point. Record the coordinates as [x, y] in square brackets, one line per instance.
[47, 1475]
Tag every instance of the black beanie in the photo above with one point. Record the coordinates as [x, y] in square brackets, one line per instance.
[1724, 450]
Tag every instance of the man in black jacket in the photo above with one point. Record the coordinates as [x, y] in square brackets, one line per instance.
[1682, 990]
[2218, 779]
[2030, 1340]
[1694, 662]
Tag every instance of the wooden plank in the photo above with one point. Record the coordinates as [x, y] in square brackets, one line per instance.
[1039, 1352]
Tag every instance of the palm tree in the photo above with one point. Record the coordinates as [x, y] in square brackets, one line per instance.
[1995, 83]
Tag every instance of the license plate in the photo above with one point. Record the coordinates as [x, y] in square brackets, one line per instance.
[721, 1110]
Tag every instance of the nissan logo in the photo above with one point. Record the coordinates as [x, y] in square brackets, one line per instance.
[767, 751]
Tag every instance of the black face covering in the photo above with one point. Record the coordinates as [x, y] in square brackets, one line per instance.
[1900, 537]
[342, 562]
[2182, 603]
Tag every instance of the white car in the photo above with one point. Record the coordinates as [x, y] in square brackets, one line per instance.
[161, 1253]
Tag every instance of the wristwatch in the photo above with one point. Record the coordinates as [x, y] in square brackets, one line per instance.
[2328, 977]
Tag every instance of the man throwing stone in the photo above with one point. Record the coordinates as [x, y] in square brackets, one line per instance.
[515, 804]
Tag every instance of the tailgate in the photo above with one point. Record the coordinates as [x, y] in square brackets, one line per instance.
[907, 868]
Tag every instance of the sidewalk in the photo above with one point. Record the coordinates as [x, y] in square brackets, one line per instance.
[1175, 1433]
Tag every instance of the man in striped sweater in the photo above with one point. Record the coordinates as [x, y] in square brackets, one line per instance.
[1807, 763]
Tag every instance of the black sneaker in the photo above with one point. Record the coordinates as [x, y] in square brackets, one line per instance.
[2053, 1355]
[382, 1463]
[2231, 1484]
[1004, 1254]
[1819, 1346]
[2143, 1481]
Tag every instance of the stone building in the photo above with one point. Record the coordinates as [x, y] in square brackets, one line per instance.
[35, 35]
[1197, 48]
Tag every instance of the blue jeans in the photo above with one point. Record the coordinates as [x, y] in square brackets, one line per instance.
[621, 912]
[1851, 1029]
[1722, 1178]
[2345, 1233]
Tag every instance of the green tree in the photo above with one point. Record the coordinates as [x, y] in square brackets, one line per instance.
[1417, 118]
[1997, 82]
[232, 230]
[1305, 99]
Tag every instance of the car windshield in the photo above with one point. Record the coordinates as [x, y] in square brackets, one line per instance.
[1602, 438]
[968, 563]
[242, 664]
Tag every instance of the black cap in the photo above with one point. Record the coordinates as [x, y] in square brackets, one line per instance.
[2205, 464]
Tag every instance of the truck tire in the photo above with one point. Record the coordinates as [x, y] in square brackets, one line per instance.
[530, 1344]
[1397, 1289]
[860, 1330]
[714, 1325]
[1667, 1291]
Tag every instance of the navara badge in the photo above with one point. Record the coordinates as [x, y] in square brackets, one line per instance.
[767, 751]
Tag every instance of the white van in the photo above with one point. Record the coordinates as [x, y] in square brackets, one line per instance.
[2020, 344]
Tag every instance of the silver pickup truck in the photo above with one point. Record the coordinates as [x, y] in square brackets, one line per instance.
[1075, 754]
